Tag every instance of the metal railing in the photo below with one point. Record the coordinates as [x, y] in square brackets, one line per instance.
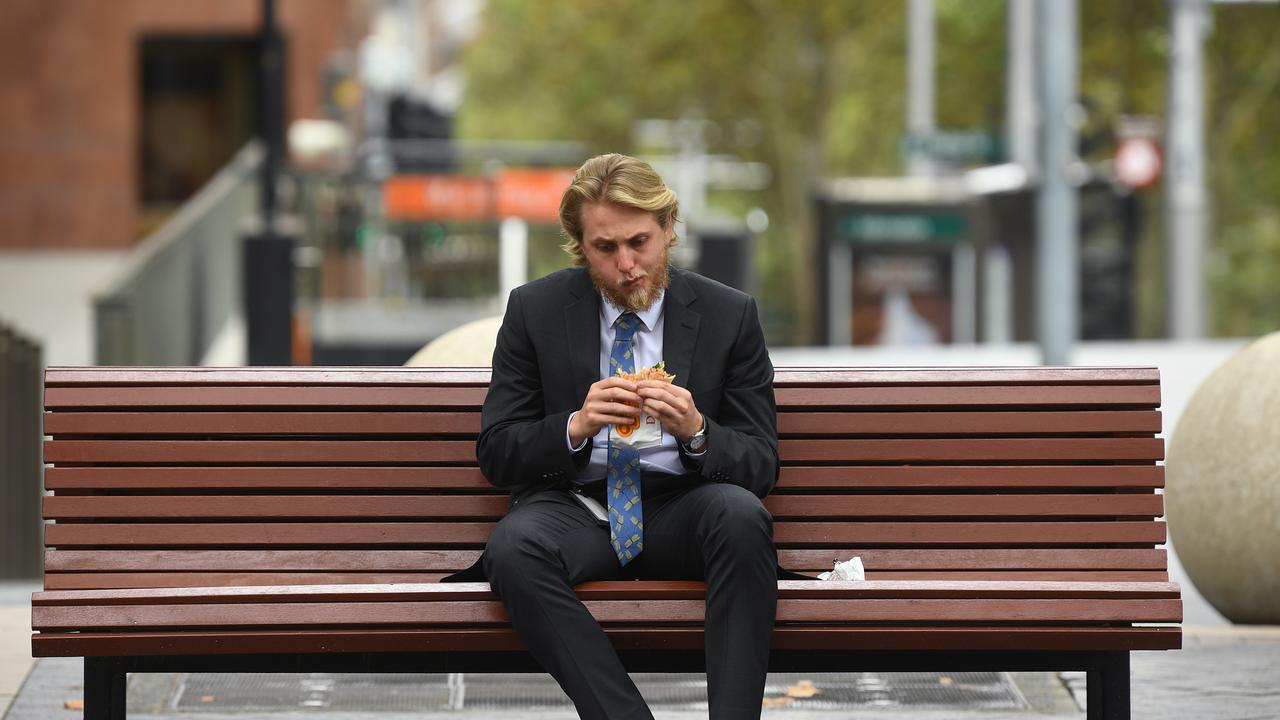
[21, 434]
[172, 296]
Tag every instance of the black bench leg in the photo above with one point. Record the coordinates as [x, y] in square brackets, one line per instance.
[1108, 687]
[103, 689]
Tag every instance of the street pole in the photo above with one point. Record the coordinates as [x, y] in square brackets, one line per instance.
[271, 92]
[1185, 180]
[920, 86]
[267, 258]
[1057, 238]
[1020, 87]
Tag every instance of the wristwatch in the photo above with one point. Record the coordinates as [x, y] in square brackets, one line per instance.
[698, 441]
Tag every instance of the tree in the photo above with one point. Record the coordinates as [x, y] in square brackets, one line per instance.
[824, 82]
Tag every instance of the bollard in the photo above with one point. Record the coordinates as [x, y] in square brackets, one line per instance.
[268, 295]
[21, 435]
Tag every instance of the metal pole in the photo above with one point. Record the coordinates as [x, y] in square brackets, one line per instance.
[1185, 188]
[1020, 88]
[920, 86]
[1057, 237]
[271, 93]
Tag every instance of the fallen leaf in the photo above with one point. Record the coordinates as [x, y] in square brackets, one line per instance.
[803, 689]
[207, 698]
[73, 704]
[776, 702]
[945, 680]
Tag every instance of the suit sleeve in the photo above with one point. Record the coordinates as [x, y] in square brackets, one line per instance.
[742, 446]
[519, 442]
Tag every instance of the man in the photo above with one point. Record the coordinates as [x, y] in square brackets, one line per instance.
[687, 507]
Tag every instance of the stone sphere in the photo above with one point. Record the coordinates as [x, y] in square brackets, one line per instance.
[1222, 494]
[469, 345]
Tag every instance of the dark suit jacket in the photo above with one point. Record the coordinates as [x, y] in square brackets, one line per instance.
[548, 355]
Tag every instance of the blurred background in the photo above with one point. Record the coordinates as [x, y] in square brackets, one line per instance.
[899, 182]
[877, 173]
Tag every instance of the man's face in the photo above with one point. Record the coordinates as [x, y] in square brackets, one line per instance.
[626, 252]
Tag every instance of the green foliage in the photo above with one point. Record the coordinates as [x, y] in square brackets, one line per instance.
[824, 83]
[1243, 98]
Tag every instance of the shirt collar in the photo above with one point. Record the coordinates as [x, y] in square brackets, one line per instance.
[610, 312]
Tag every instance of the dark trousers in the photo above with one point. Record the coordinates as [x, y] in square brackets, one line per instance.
[693, 530]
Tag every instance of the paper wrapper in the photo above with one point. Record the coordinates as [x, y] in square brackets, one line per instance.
[644, 432]
[850, 569]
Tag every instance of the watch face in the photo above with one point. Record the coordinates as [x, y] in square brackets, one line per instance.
[697, 442]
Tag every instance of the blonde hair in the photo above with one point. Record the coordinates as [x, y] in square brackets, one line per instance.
[619, 179]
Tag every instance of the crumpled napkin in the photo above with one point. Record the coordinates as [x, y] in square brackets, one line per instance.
[850, 569]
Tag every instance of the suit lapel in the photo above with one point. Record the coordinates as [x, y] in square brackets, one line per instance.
[582, 335]
[680, 332]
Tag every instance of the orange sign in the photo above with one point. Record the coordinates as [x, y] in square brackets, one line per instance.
[435, 197]
[530, 194]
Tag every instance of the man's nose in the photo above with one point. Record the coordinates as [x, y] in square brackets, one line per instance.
[626, 260]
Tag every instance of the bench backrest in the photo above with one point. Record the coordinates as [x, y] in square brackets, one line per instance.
[194, 477]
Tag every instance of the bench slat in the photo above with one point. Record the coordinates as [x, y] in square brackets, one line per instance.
[410, 422]
[104, 581]
[61, 561]
[1091, 422]
[259, 451]
[448, 422]
[969, 533]
[969, 396]
[876, 638]
[828, 478]
[201, 396]
[446, 534]
[801, 507]
[959, 476]
[99, 375]
[619, 590]
[235, 478]
[972, 450]
[472, 613]
[459, 451]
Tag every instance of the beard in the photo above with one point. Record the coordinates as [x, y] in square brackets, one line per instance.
[643, 297]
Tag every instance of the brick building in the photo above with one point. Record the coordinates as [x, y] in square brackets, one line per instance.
[112, 113]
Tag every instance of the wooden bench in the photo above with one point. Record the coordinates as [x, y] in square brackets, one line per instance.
[298, 520]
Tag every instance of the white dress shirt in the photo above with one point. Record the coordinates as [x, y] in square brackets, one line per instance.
[646, 345]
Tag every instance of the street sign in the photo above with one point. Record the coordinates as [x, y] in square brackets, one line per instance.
[955, 146]
[435, 197]
[532, 194]
[1138, 162]
[902, 227]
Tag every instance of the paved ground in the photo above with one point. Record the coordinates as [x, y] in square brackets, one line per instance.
[15, 638]
[1223, 673]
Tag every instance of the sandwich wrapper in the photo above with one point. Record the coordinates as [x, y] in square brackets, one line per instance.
[645, 431]
[850, 569]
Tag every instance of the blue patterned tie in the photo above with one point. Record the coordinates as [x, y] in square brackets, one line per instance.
[626, 516]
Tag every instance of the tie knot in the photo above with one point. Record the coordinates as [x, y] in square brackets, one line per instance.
[627, 324]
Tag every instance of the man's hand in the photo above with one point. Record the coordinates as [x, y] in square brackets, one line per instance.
[611, 401]
[673, 406]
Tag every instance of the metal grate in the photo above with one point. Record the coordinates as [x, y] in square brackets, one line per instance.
[323, 692]
[222, 692]
[965, 690]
